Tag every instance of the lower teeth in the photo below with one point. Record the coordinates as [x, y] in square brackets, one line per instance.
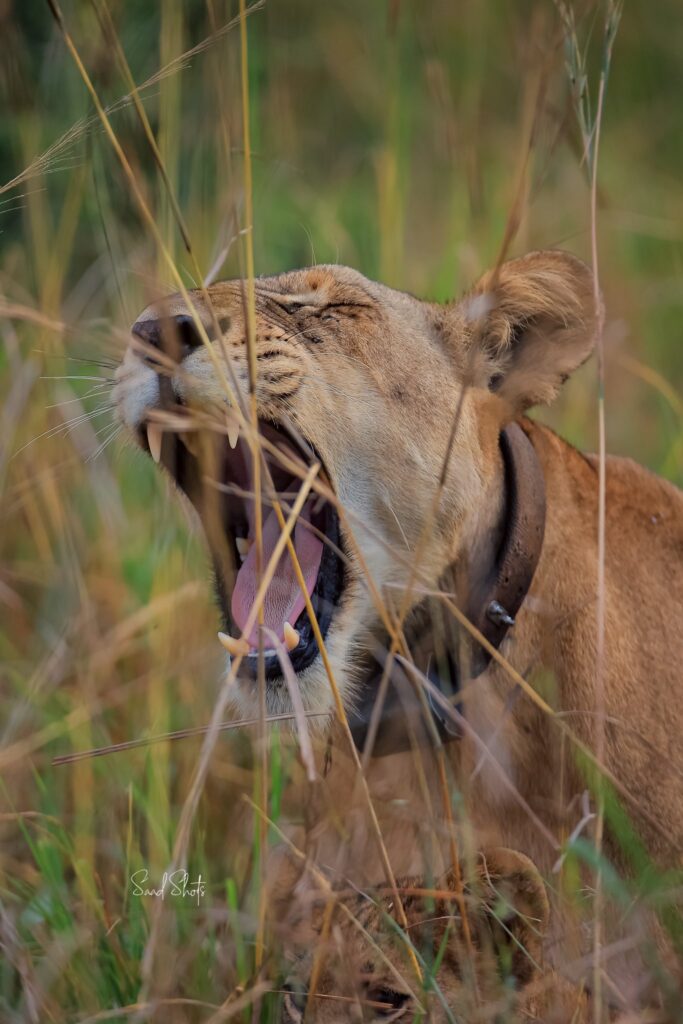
[243, 545]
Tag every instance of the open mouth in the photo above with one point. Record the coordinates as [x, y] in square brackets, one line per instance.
[217, 473]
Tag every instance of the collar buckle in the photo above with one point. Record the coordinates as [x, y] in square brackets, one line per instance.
[498, 615]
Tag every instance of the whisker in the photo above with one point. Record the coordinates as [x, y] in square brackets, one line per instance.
[101, 430]
[78, 376]
[117, 430]
[105, 364]
[94, 392]
[333, 389]
[63, 428]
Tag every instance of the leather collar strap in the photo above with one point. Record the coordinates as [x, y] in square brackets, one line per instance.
[496, 593]
[497, 596]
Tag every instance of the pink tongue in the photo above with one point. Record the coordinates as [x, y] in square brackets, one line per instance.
[283, 599]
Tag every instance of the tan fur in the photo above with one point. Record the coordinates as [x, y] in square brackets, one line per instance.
[360, 955]
[373, 378]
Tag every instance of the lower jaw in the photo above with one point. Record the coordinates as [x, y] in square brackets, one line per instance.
[273, 671]
[325, 601]
[314, 691]
[297, 661]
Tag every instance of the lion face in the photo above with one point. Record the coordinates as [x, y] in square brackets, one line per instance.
[399, 401]
[359, 953]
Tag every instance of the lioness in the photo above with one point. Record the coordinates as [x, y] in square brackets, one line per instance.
[437, 495]
[359, 953]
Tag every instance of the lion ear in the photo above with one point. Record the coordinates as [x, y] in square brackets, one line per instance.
[515, 902]
[532, 323]
[507, 909]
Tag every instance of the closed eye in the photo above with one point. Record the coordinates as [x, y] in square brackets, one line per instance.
[293, 306]
[327, 311]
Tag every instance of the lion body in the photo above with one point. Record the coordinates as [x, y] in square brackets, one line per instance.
[520, 777]
[404, 400]
[554, 646]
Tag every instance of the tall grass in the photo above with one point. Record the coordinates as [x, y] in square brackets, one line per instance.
[383, 136]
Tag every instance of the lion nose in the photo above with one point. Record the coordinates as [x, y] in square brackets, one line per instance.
[175, 336]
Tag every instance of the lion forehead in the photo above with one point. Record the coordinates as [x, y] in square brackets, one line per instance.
[317, 286]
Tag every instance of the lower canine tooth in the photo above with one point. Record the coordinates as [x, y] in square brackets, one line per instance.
[291, 637]
[234, 647]
[154, 439]
[243, 546]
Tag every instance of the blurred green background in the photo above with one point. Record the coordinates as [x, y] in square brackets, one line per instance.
[393, 136]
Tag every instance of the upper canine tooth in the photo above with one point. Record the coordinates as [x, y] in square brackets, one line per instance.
[235, 647]
[154, 438]
[233, 432]
[291, 636]
[243, 546]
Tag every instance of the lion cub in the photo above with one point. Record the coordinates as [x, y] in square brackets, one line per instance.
[488, 970]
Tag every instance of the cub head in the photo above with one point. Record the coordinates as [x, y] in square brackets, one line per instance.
[400, 402]
[360, 965]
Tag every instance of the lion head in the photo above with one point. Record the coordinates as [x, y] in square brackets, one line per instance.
[399, 402]
[350, 954]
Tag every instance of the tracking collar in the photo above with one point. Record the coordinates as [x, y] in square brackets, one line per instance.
[496, 591]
